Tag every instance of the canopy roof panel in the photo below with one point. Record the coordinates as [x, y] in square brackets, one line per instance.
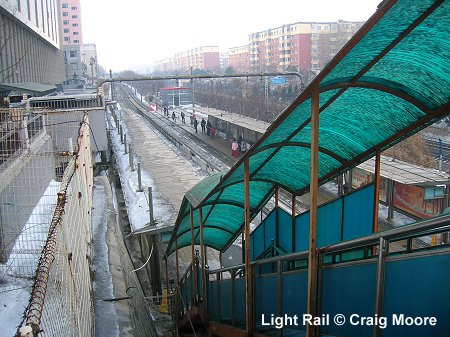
[389, 81]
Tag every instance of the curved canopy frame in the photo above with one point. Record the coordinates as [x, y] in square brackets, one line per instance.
[389, 81]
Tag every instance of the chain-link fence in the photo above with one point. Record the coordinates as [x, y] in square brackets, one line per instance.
[45, 225]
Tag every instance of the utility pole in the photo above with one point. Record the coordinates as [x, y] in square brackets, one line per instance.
[112, 85]
[193, 90]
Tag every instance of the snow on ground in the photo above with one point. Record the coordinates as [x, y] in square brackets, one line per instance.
[16, 275]
[137, 202]
[106, 319]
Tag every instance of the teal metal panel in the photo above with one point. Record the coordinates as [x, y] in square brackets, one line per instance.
[269, 229]
[295, 294]
[329, 223]
[348, 290]
[302, 232]
[225, 299]
[358, 213]
[266, 297]
[285, 230]
[239, 285]
[213, 309]
[418, 287]
[258, 240]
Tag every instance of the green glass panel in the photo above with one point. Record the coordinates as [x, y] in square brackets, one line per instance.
[379, 37]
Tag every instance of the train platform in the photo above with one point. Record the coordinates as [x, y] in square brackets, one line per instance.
[219, 141]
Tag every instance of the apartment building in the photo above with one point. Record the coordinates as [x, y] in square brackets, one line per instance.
[302, 46]
[30, 42]
[72, 38]
[239, 58]
[204, 58]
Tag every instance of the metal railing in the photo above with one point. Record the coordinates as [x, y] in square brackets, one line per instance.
[372, 249]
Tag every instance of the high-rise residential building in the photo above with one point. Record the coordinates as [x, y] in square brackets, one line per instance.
[164, 65]
[239, 58]
[72, 36]
[302, 46]
[224, 60]
[30, 42]
[204, 58]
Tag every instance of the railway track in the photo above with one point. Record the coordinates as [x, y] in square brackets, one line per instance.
[198, 150]
[207, 156]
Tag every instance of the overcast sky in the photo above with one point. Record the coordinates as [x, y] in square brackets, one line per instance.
[138, 32]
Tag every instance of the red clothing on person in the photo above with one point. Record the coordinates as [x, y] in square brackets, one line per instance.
[234, 149]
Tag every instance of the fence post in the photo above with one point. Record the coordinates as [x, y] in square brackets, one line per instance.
[125, 142]
[139, 177]
[121, 134]
[130, 156]
[150, 205]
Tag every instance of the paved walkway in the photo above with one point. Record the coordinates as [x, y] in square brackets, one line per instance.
[173, 177]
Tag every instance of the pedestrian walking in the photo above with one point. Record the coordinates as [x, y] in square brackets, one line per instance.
[173, 116]
[182, 118]
[195, 124]
[234, 148]
[203, 124]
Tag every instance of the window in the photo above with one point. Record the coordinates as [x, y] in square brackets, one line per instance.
[73, 53]
[66, 22]
[67, 39]
[28, 9]
[74, 8]
[74, 24]
[66, 30]
[65, 13]
[75, 33]
[65, 6]
[74, 16]
[76, 41]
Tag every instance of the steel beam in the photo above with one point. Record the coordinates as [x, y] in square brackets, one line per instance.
[314, 191]
[248, 273]
[194, 269]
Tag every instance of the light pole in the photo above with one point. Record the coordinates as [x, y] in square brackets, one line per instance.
[92, 62]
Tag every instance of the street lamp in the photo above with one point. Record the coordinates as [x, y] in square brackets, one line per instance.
[92, 62]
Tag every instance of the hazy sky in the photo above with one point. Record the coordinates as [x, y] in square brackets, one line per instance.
[138, 32]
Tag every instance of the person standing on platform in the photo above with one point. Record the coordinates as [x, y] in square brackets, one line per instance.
[182, 118]
[208, 128]
[173, 116]
[203, 123]
[234, 148]
[195, 124]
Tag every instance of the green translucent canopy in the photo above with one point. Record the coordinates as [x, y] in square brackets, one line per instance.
[390, 80]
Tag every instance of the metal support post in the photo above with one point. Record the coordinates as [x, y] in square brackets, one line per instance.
[277, 219]
[177, 312]
[167, 276]
[313, 191]
[383, 251]
[150, 206]
[202, 256]
[280, 294]
[121, 134]
[194, 269]
[293, 215]
[125, 142]
[155, 267]
[130, 157]
[376, 197]
[248, 272]
[139, 177]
